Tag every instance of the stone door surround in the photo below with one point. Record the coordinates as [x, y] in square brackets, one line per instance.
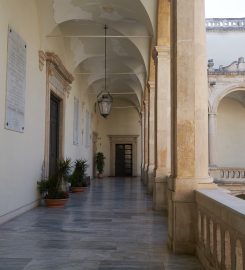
[122, 139]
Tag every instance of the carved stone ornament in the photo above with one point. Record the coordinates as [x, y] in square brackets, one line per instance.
[58, 73]
[42, 59]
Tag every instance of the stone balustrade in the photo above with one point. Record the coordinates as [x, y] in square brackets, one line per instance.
[227, 174]
[221, 230]
[221, 24]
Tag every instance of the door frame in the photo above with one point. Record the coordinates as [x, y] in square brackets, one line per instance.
[123, 162]
[58, 101]
[123, 139]
[58, 81]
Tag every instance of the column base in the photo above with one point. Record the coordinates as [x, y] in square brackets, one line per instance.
[150, 177]
[182, 227]
[160, 187]
[182, 221]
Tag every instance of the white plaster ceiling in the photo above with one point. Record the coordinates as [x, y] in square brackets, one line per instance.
[131, 34]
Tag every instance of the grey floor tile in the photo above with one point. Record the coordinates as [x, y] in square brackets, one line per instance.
[110, 226]
[13, 263]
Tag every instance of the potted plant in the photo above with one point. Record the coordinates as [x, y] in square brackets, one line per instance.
[100, 163]
[52, 188]
[78, 178]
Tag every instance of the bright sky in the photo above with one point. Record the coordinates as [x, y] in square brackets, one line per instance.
[225, 8]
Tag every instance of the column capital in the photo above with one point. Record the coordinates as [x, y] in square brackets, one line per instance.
[146, 102]
[151, 85]
[161, 52]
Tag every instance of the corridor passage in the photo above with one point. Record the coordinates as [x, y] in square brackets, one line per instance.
[110, 226]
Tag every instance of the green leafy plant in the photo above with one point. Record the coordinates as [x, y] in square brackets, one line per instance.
[77, 179]
[100, 162]
[52, 187]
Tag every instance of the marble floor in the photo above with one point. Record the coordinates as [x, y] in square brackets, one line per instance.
[110, 226]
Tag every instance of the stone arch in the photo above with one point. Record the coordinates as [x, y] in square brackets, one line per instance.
[213, 106]
[241, 195]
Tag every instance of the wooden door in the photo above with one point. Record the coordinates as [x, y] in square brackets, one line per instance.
[123, 160]
[54, 134]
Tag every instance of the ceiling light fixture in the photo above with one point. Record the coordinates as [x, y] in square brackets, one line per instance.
[104, 98]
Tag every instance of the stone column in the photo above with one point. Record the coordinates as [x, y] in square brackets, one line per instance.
[162, 127]
[190, 121]
[142, 142]
[212, 128]
[146, 141]
[161, 56]
[151, 134]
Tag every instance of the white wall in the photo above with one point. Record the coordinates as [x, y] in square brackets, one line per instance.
[225, 47]
[22, 154]
[230, 134]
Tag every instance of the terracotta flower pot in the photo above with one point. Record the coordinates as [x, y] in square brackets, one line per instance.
[55, 203]
[77, 189]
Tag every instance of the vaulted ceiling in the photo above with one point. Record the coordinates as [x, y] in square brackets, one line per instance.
[131, 33]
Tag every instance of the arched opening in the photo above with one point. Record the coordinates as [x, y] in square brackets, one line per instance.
[241, 196]
[231, 130]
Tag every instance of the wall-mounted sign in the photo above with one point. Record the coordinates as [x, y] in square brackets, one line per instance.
[16, 82]
[76, 122]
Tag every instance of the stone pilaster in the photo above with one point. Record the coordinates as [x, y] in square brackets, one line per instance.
[146, 146]
[142, 141]
[212, 128]
[190, 121]
[162, 127]
[151, 136]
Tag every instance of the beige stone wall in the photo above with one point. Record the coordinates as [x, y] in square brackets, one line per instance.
[230, 134]
[119, 122]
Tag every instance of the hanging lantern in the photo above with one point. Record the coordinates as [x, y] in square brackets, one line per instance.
[104, 99]
[105, 103]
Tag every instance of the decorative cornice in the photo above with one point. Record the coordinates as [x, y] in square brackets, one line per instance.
[56, 61]
[225, 24]
[126, 138]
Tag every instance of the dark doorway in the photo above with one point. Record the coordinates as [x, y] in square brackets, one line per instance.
[54, 134]
[124, 162]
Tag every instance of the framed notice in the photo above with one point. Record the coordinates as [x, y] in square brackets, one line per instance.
[76, 121]
[16, 83]
[87, 129]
